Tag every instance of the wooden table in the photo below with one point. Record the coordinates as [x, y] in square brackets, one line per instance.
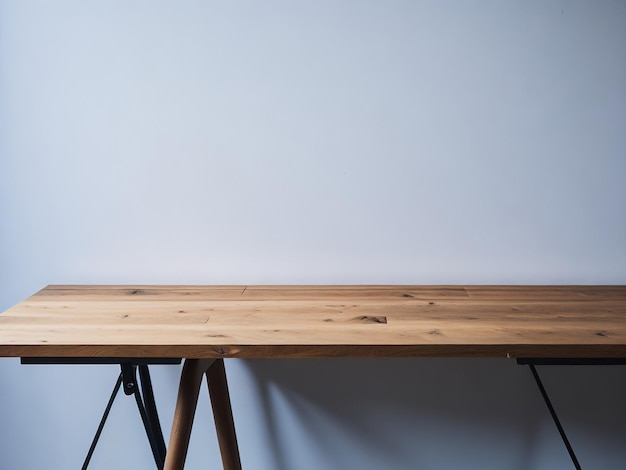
[204, 324]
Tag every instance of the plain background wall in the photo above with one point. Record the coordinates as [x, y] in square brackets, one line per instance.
[316, 142]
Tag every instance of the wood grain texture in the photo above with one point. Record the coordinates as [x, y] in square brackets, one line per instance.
[317, 321]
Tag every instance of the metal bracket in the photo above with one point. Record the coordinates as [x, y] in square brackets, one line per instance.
[568, 361]
[129, 377]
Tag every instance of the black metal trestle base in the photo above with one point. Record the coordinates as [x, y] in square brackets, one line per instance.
[135, 380]
[531, 363]
[144, 398]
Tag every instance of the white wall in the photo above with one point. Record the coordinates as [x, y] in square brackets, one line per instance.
[316, 142]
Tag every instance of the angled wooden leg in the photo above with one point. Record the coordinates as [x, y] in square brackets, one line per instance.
[223, 416]
[188, 391]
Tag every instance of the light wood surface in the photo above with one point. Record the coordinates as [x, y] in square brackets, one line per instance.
[317, 321]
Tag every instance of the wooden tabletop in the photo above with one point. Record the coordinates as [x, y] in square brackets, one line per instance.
[318, 321]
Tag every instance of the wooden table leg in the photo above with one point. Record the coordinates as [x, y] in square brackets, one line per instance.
[188, 392]
[223, 416]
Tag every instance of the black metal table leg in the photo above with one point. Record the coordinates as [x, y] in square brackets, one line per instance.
[107, 410]
[151, 411]
[141, 389]
[532, 362]
[148, 417]
[555, 417]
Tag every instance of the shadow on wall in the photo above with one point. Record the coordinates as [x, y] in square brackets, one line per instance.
[439, 413]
